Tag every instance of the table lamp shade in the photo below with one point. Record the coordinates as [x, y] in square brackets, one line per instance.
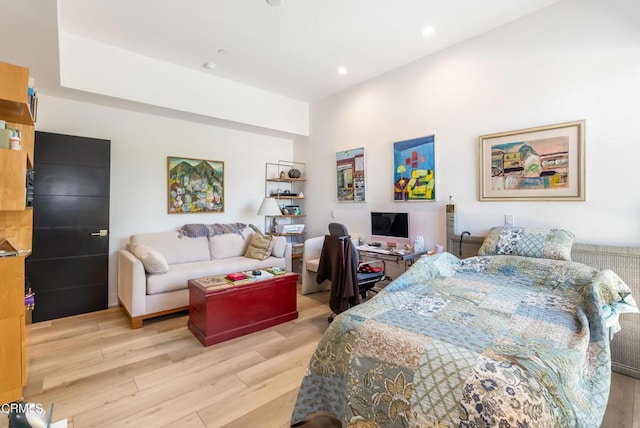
[269, 207]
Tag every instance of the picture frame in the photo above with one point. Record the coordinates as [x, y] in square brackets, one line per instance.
[544, 163]
[350, 173]
[414, 176]
[195, 185]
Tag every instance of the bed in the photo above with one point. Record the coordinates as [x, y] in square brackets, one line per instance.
[515, 337]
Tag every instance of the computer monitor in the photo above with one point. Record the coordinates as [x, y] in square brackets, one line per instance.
[389, 225]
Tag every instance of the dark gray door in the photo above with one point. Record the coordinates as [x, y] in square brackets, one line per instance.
[68, 268]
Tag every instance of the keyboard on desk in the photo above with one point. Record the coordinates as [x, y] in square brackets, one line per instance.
[370, 249]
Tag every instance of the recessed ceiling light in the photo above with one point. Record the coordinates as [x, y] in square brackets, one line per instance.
[221, 51]
[274, 3]
[342, 71]
[209, 65]
[428, 31]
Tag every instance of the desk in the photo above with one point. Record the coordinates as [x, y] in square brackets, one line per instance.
[403, 259]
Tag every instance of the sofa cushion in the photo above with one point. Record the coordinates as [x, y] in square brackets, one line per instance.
[152, 260]
[179, 275]
[174, 247]
[230, 244]
[260, 246]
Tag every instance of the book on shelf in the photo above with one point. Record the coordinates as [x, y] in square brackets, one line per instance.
[32, 99]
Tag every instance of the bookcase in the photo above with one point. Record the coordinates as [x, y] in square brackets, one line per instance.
[16, 225]
[287, 188]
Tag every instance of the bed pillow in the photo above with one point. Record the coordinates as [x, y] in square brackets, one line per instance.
[151, 259]
[260, 246]
[528, 242]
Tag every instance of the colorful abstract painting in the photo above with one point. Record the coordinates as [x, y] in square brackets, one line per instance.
[414, 169]
[536, 163]
[532, 164]
[195, 186]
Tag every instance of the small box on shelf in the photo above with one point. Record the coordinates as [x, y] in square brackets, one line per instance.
[289, 228]
[5, 134]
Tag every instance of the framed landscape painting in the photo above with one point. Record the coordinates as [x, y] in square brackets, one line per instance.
[350, 175]
[414, 169]
[195, 185]
[544, 163]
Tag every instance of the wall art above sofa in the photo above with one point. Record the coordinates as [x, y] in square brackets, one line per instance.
[195, 185]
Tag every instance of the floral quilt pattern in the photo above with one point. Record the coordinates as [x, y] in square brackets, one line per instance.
[503, 341]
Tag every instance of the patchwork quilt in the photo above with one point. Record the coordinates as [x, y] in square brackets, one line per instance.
[503, 341]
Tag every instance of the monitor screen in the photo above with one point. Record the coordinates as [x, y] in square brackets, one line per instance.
[395, 225]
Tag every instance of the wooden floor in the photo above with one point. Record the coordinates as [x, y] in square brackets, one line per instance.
[99, 372]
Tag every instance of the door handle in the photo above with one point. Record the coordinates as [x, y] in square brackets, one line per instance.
[102, 233]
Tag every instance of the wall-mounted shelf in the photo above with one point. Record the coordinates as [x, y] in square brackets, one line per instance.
[16, 112]
[286, 180]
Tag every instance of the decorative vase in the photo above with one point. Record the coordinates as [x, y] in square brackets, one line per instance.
[295, 173]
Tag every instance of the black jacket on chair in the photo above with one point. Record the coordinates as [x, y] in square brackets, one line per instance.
[339, 264]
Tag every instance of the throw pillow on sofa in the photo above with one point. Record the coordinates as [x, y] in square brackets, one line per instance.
[279, 246]
[151, 259]
[260, 246]
[230, 244]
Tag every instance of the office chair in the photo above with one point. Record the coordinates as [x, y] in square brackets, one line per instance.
[346, 270]
[369, 273]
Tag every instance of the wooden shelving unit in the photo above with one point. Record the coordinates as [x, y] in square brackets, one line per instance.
[16, 224]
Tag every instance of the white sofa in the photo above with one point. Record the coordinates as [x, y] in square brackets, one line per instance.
[145, 295]
[310, 260]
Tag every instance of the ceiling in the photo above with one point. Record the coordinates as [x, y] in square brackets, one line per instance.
[295, 49]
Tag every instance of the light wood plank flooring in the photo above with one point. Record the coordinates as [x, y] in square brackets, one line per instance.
[99, 372]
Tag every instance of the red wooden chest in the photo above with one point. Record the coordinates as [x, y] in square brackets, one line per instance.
[222, 312]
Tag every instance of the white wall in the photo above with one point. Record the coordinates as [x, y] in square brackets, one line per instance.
[574, 60]
[140, 144]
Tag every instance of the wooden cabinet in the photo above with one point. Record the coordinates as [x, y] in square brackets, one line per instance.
[221, 313]
[12, 350]
[288, 189]
[16, 224]
[13, 191]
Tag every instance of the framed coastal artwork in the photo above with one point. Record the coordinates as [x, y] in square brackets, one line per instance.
[414, 169]
[546, 163]
[195, 185]
[350, 173]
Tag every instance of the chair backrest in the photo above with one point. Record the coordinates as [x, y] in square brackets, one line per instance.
[338, 229]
